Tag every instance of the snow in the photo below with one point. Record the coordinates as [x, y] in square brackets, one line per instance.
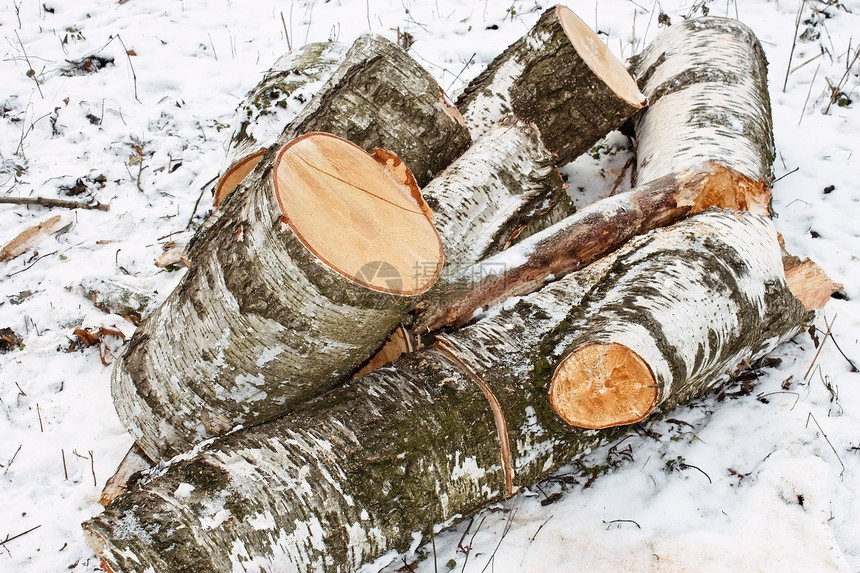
[758, 482]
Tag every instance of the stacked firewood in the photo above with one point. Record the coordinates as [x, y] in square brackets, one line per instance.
[325, 381]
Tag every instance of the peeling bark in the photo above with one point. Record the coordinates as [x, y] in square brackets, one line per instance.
[561, 77]
[352, 474]
[706, 83]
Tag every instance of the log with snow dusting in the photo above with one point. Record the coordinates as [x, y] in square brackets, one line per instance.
[355, 473]
[377, 96]
[559, 76]
[299, 282]
[499, 184]
[706, 83]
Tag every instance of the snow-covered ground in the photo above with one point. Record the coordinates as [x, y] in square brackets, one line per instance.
[764, 479]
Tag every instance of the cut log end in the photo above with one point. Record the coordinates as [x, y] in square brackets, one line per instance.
[236, 174]
[361, 215]
[603, 385]
[599, 58]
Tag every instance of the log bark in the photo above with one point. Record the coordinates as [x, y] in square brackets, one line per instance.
[706, 83]
[296, 284]
[582, 238]
[561, 77]
[446, 430]
[381, 97]
[377, 97]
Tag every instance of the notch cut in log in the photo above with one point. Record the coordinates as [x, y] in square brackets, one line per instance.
[559, 76]
[706, 82]
[355, 473]
[291, 289]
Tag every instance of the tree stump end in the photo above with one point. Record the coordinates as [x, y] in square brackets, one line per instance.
[602, 385]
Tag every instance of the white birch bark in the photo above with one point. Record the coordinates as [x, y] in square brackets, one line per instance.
[559, 76]
[706, 83]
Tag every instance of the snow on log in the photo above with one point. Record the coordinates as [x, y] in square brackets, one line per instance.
[356, 472]
[582, 238]
[559, 76]
[282, 93]
[706, 83]
[378, 96]
[299, 282]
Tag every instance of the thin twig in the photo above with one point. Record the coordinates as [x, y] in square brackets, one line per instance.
[808, 93]
[539, 528]
[9, 463]
[14, 537]
[505, 532]
[783, 176]
[820, 346]
[211, 43]
[851, 362]
[27, 268]
[795, 394]
[131, 66]
[65, 469]
[39, 413]
[686, 465]
[793, 43]
[609, 523]
[49, 202]
[93, 468]
[471, 540]
[457, 77]
[286, 34]
[828, 442]
[196, 203]
[30, 71]
[841, 81]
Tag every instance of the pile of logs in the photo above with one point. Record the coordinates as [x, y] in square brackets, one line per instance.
[326, 380]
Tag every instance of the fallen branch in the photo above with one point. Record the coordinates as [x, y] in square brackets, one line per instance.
[49, 202]
[14, 537]
[582, 238]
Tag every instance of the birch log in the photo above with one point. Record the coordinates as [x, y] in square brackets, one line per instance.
[559, 76]
[706, 83]
[449, 429]
[381, 97]
[582, 238]
[297, 284]
[270, 106]
[378, 96]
